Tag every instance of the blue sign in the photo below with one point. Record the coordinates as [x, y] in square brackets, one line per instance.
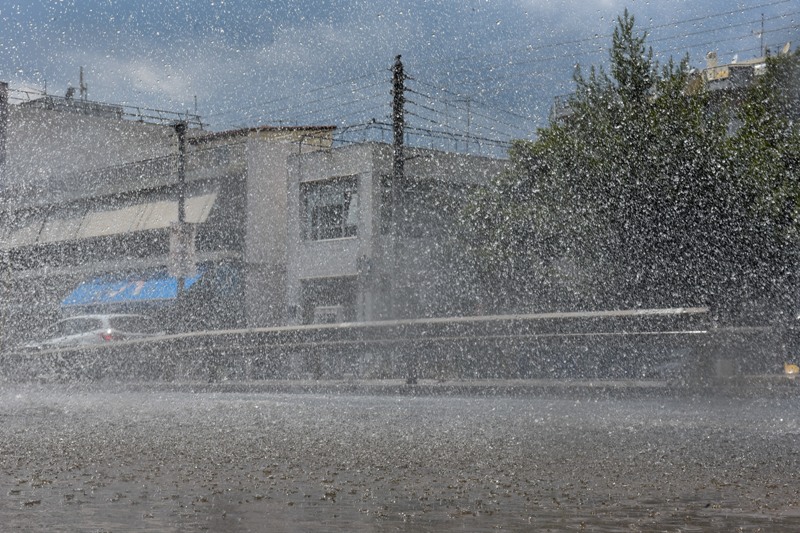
[158, 286]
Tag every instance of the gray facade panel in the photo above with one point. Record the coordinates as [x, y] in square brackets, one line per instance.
[419, 281]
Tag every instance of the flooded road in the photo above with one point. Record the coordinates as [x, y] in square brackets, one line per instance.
[122, 460]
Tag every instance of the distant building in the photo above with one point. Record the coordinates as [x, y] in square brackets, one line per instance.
[283, 228]
[358, 251]
[71, 105]
[726, 81]
[732, 76]
[89, 206]
[727, 84]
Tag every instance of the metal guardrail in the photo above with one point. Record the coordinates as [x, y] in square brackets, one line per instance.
[43, 100]
[607, 344]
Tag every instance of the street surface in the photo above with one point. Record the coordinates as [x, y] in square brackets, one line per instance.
[114, 458]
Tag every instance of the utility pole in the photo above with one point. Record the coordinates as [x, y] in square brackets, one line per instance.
[398, 177]
[398, 125]
[5, 255]
[180, 130]
[469, 119]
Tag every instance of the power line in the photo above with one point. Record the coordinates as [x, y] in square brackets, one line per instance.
[450, 135]
[329, 97]
[297, 95]
[702, 32]
[737, 38]
[333, 107]
[454, 105]
[716, 15]
[473, 100]
[425, 133]
[556, 57]
[297, 109]
[360, 113]
[534, 61]
[459, 136]
[495, 73]
[530, 48]
[517, 75]
[470, 122]
[457, 131]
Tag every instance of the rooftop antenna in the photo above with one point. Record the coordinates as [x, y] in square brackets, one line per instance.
[84, 89]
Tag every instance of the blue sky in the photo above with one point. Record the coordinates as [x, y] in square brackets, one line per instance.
[489, 68]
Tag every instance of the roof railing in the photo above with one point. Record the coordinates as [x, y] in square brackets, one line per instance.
[32, 98]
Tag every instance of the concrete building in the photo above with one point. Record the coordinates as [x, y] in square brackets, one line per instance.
[731, 76]
[89, 208]
[727, 84]
[283, 228]
[350, 259]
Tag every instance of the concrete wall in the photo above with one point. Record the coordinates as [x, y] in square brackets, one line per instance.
[59, 156]
[334, 258]
[265, 264]
[44, 145]
[266, 221]
[365, 255]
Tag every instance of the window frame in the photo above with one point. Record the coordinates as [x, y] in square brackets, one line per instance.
[329, 208]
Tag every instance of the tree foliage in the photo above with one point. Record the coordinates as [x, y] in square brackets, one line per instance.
[647, 194]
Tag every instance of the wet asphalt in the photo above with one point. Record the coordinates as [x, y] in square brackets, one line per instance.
[387, 456]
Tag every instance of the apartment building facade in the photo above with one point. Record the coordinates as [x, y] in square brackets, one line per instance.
[90, 202]
[360, 251]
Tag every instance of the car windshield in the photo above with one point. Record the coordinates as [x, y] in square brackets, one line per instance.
[399, 265]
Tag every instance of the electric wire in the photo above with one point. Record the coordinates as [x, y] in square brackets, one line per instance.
[454, 105]
[297, 95]
[561, 44]
[297, 111]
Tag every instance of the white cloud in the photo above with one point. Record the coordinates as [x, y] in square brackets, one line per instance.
[152, 78]
[509, 50]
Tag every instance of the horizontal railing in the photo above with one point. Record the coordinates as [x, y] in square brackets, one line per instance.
[607, 344]
[671, 344]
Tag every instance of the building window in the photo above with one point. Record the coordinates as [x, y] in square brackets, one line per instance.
[330, 208]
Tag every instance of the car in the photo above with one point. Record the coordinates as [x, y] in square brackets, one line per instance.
[96, 329]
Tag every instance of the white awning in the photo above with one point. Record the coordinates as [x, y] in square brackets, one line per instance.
[60, 229]
[157, 215]
[101, 222]
[199, 207]
[24, 236]
[114, 222]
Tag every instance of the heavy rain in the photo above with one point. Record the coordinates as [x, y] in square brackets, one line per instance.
[399, 266]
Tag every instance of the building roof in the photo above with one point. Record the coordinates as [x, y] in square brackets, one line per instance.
[279, 130]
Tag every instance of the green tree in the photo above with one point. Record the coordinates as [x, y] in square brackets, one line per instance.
[641, 196]
[764, 163]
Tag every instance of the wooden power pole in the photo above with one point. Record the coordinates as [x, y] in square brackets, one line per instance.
[398, 125]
